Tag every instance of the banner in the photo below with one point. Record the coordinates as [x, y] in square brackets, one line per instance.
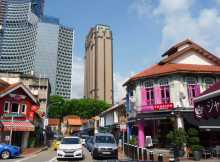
[209, 108]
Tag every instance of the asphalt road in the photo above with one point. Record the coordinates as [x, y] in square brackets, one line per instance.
[50, 156]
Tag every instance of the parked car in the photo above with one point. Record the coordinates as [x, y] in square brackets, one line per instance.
[9, 151]
[89, 143]
[70, 147]
[104, 145]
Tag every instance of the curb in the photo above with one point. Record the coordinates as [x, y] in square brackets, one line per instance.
[37, 152]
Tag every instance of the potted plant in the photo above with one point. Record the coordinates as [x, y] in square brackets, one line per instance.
[193, 142]
[178, 138]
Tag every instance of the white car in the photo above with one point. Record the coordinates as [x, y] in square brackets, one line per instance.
[70, 147]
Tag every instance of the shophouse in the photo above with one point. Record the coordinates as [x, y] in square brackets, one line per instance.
[207, 115]
[18, 108]
[160, 97]
[113, 118]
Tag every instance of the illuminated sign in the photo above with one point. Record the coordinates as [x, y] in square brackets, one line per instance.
[167, 106]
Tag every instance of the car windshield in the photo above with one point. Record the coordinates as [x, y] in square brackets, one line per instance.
[104, 139]
[70, 141]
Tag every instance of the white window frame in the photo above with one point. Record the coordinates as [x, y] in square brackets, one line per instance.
[25, 108]
[8, 107]
[18, 108]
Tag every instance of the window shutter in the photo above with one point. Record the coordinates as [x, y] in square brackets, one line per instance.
[143, 96]
[197, 89]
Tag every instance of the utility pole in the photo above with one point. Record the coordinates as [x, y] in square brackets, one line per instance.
[11, 131]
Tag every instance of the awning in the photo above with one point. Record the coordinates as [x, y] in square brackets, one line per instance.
[22, 126]
[211, 123]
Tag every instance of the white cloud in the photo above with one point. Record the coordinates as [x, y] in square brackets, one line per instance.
[141, 7]
[77, 77]
[119, 90]
[180, 23]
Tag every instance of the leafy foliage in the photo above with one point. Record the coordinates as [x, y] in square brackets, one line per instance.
[178, 137]
[85, 108]
[193, 139]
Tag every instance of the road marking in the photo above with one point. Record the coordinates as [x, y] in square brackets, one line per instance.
[30, 157]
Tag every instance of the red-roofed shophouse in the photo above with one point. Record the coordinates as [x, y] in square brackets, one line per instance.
[17, 113]
[161, 97]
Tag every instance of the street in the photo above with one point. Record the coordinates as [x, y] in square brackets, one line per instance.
[50, 156]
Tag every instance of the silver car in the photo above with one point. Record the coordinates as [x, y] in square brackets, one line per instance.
[104, 145]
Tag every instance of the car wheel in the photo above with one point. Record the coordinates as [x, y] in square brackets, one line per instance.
[5, 154]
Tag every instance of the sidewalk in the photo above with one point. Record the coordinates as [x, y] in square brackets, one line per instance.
[202, 160]
[121, 155]
[28, 151]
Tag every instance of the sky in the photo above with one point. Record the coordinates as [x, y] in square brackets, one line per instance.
[142, 31]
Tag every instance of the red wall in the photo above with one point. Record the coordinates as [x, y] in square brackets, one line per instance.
[28, 101]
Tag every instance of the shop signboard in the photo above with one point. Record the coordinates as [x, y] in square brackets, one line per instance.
[209, 108]
[167, 106]
[157, 107]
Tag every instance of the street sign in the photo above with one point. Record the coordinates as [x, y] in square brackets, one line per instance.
[123, 127]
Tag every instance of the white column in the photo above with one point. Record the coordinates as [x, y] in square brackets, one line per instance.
[25, 137]
[179, 120]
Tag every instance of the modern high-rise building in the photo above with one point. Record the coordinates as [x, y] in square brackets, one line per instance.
[33, 43]
[54, 55]
[37, 7]
[18, 36]
[98, 82]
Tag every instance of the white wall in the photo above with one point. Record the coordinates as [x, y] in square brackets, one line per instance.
[192, 58]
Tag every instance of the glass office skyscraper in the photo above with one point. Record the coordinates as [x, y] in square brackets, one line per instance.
[32, 43]
[54, 55]
[18, 36]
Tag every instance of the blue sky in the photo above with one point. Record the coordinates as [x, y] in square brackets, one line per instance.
[142, 30]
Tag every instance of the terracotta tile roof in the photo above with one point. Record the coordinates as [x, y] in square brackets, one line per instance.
[74, 122]
[165, 66]
[5, 89]
[192, 47]
[53, 122]
[160, 70]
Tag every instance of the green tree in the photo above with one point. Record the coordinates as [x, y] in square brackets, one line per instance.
[85, 108]
[56, 107]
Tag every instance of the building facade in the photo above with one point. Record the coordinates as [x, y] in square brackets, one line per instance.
[18, 38]
[32, 43]
[39, 87]
[98, 82]
[160, 98]
[54, 55]
[17, 113]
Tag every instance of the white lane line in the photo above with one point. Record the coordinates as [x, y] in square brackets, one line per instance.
[30, 157]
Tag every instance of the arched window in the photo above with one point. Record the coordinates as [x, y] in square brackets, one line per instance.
[165, 91]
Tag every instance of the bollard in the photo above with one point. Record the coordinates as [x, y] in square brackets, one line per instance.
[133, 152]
[144, 154]
[151, 155]
[160, 157]
[140, 153]
[136, 152]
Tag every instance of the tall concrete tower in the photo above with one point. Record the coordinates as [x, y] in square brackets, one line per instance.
[98, 81]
